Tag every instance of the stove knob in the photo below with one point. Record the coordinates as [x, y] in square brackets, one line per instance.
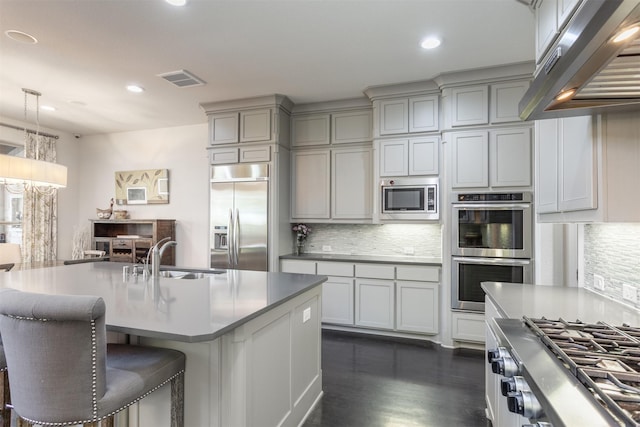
[513, 384]
[496, 353]
[525, 404]
[505, 366]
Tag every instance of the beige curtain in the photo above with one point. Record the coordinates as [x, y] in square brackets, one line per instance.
[40, 220]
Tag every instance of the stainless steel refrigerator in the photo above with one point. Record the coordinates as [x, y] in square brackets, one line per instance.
[239, 216]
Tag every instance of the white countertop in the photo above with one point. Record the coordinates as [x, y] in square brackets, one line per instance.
[188, 310]
[517, 300]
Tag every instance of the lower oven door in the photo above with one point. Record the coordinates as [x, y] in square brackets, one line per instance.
[469, 272]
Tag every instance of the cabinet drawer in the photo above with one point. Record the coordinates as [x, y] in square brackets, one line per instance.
[343, 269]
[294, 266]
[418, 273]
[121, 244]
[468, 327]
[375, 271]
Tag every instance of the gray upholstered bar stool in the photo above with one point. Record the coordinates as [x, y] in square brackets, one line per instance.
[61, 369]
[5, 411]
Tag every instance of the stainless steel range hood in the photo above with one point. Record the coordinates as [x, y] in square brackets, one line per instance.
[605, 75]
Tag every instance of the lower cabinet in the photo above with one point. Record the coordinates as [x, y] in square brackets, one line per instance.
[374, 303]
[466, 326]
[376, 296]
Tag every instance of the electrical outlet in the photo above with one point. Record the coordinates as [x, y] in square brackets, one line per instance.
[408, 250]
[629, 293]
[306, 314]
[326, 248]
[598, 282]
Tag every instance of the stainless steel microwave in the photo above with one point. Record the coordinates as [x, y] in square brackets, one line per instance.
[410, 199]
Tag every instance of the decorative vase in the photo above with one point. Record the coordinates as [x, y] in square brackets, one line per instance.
[299, 246]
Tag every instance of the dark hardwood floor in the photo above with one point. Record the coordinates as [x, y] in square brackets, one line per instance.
[370, 381]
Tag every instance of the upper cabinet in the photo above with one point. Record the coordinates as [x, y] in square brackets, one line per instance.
[407, 115]
[413, 156]
[497, 158]
[332, 128]
[241, 126]
[588, 168]
[550, 18]
[485, 104]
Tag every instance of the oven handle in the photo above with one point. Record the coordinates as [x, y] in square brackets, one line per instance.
[498, 261]
[490, 206]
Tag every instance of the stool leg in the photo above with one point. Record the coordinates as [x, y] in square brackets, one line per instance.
[177, 401]
[5, 399]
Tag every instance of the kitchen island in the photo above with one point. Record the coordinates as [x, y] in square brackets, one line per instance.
[252, 339]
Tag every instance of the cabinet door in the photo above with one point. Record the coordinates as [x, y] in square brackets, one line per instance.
[297, 266]
[565, 11]
[310, 181]
[423, 114]
[223, 155]
[394, 116]
[223, 128]
[505, 98]
[546, 132]
[470, 159]
[546, 22]
[577, 167]
[337, 300]
[510, 157]
[470, 105]
[468, 327]
[352, 126]
[351, 182]
[423, 156]
[374, 303]
[255, 125]
[255, 153]
[311, 130]
[394, 157]
[417, 307]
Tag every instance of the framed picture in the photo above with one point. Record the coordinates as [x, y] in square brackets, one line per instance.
[142, 187]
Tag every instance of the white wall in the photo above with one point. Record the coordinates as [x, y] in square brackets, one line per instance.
[182, 150]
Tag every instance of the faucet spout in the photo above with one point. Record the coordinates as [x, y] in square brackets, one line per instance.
[156, 255]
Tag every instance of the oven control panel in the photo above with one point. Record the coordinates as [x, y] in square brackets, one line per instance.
[524, 197]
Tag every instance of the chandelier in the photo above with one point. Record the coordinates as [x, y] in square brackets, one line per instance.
[20, 173]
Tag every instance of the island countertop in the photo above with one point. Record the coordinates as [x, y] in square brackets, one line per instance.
[189, 310]
[516, 300]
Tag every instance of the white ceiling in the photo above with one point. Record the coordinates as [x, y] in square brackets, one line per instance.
[309, 50]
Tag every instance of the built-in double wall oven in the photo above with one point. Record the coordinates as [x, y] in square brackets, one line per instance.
[491, 241]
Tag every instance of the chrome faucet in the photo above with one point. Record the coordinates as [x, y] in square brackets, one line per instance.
[156, 255]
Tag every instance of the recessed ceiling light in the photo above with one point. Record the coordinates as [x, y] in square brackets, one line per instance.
[47, 108]
[625, 34]
[135, 88]
[21, 37]
[430, 43]
[176, 2]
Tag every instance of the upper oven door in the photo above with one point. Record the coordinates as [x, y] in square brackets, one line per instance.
[492, 230]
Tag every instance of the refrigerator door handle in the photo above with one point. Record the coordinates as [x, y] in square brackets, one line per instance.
[230, 239]
[236, 244]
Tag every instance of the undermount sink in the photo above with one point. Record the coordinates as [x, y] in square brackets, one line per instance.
[174, 274]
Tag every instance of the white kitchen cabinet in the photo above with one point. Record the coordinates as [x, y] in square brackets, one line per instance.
[469, 159]
[409, 115]
[297, 266]
[550, 18]
[219, 156]
[505, 98]
[311, 184]
[255, 153]
[374, 307]
[497, 158]
[468, 326]
[470, 105]
[255, 125]
[417, 307]
[424, 114]
[547, 139]
[414, 156]
[351, 183]
[351, 126]
[510, 157]
[313, 129]
[337, 300]
[223, 128]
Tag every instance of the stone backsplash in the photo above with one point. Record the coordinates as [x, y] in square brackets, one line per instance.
[613, 252]
[425, 240]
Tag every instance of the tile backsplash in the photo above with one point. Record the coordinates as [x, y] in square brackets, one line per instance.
[424, 240]
[613, 252]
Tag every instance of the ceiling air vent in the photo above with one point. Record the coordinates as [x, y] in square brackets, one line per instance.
[182, 78]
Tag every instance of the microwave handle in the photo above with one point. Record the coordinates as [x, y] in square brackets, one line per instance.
[503, 261]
